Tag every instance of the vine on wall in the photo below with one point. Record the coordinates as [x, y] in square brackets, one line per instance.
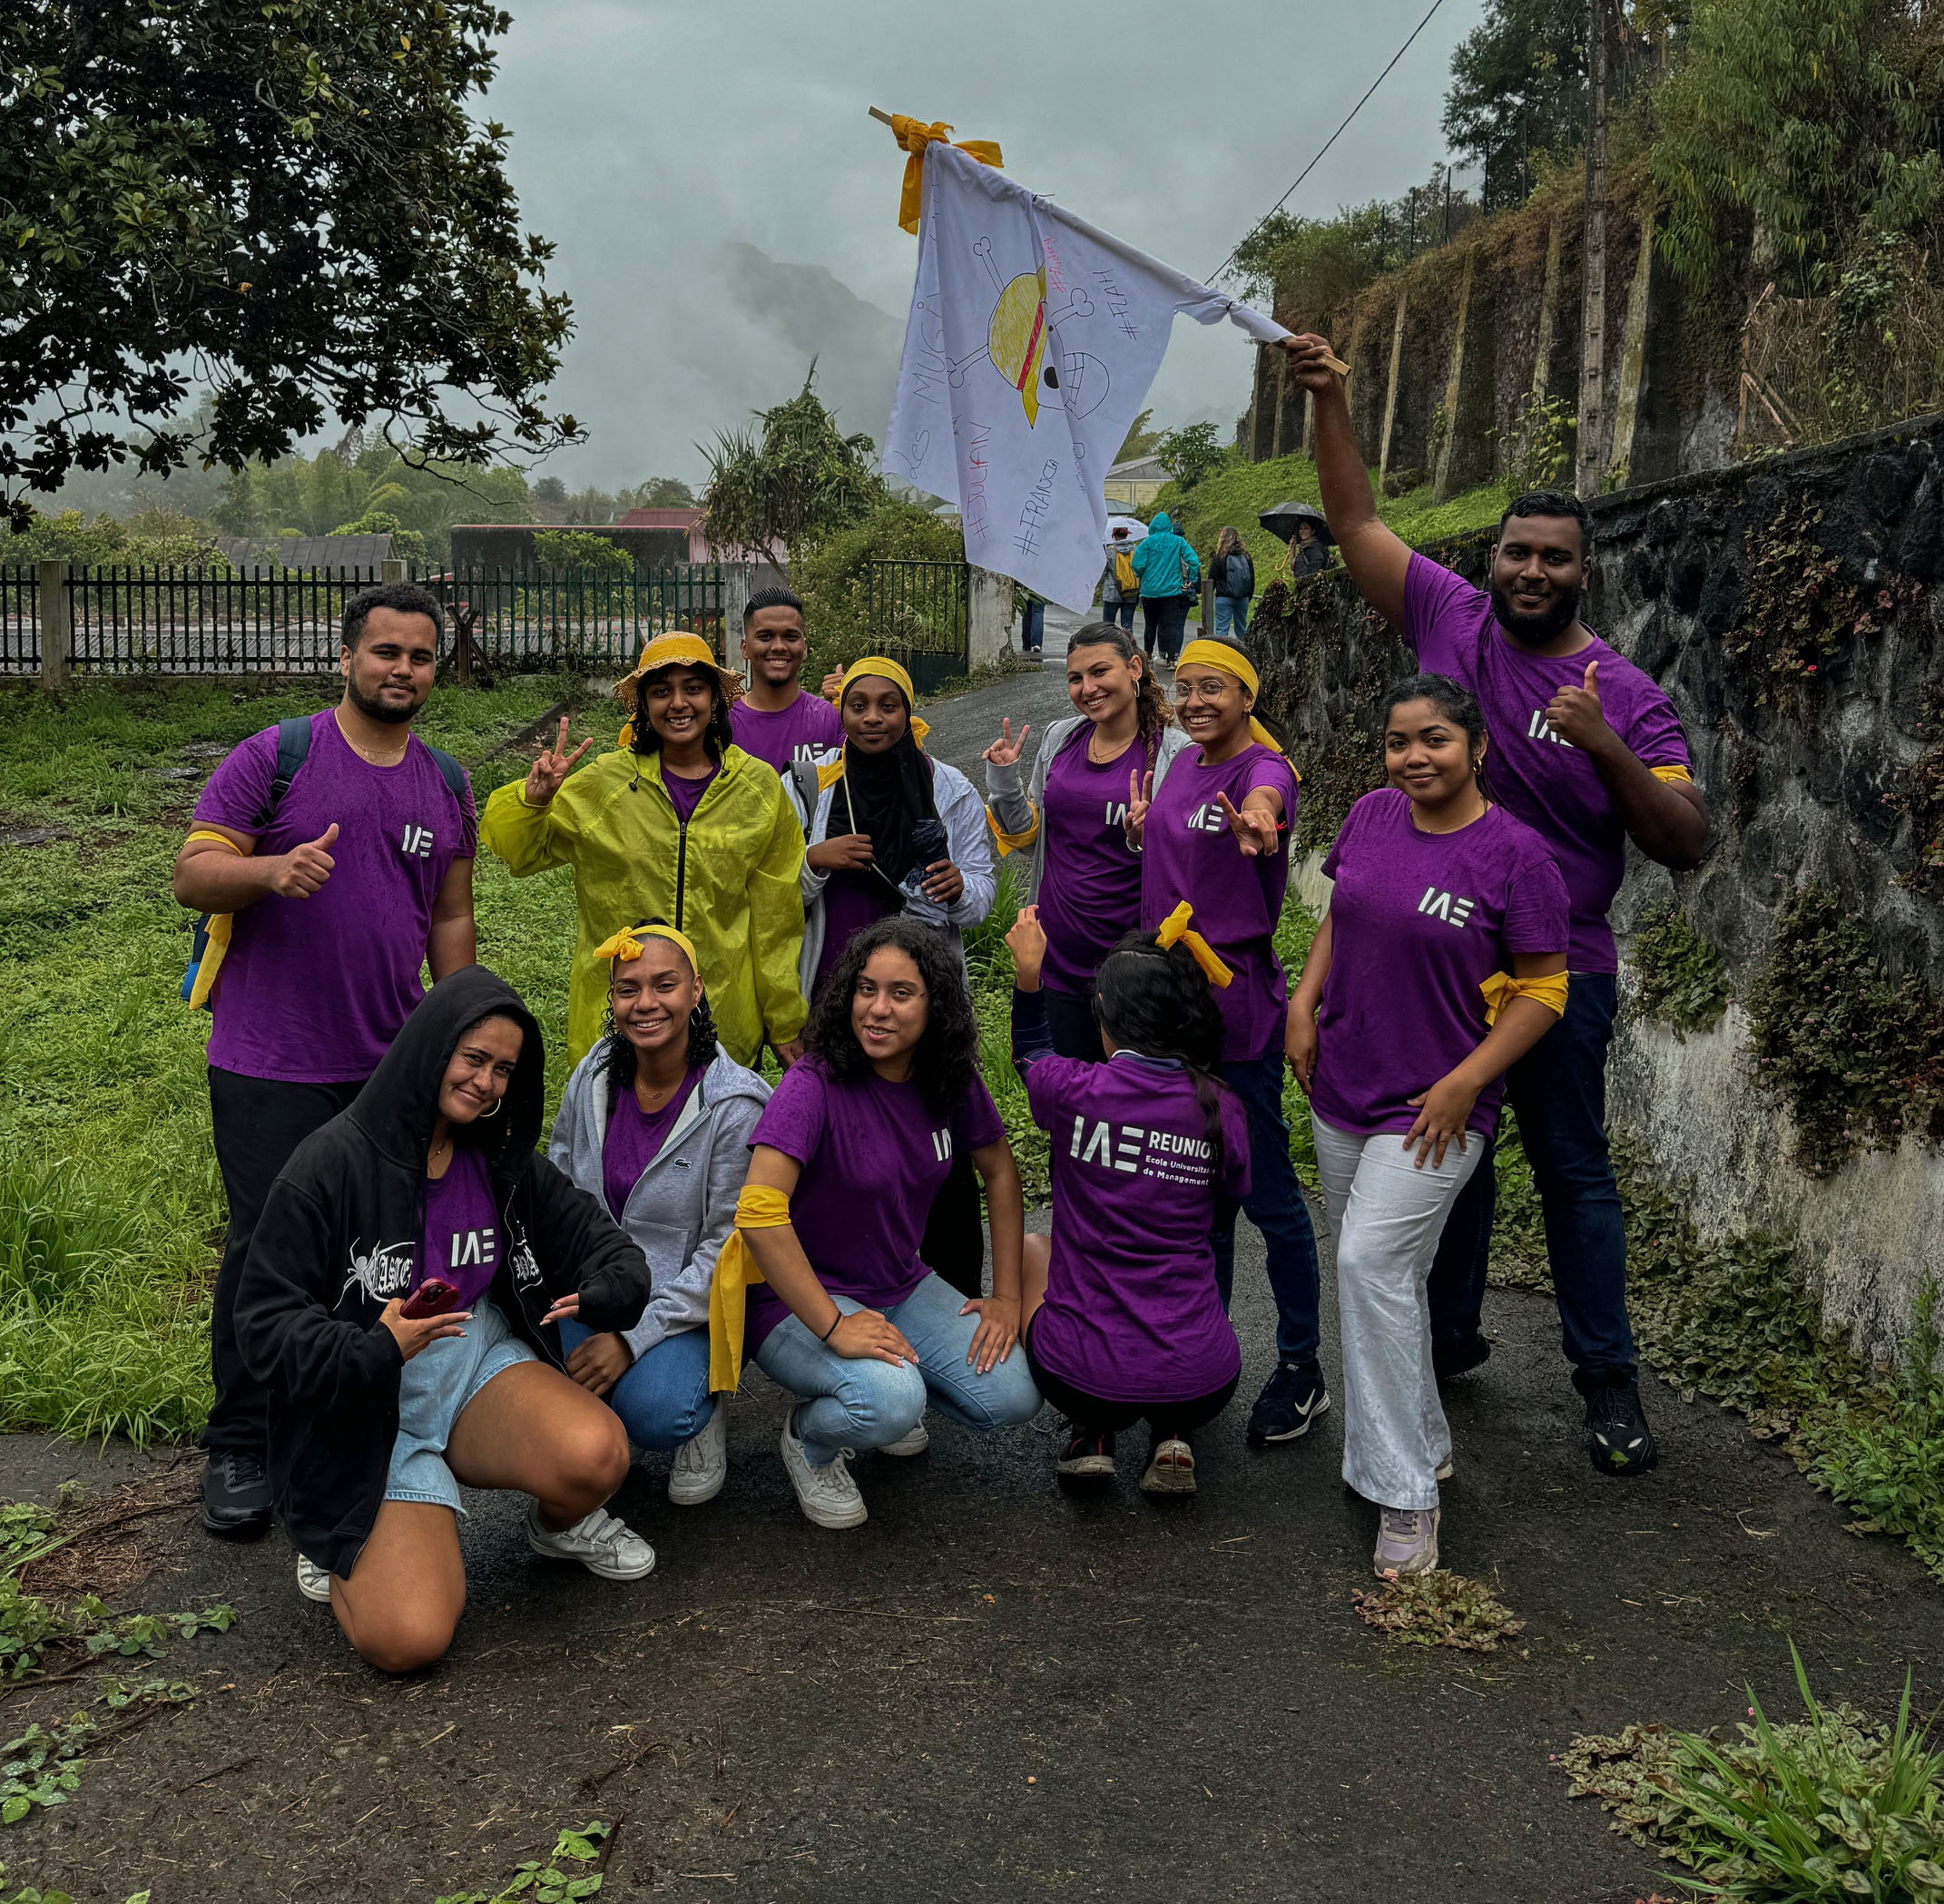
[1920, 794]
[1679, 979]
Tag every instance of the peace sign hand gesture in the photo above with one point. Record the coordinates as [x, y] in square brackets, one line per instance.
[1140, 798]
[551, 767]
[1005, 751]
[1575, 713]
[1255, 827]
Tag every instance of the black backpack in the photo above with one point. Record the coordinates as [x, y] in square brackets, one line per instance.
[293, 748]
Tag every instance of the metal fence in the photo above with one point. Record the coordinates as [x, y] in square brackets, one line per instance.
[20, 623]
[918, 615]
[579, 617]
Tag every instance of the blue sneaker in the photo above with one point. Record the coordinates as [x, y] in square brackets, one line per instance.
[1291, 1400]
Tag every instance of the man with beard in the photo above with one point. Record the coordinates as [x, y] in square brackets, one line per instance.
[334, 852]
[776, 720]
[1588, 752]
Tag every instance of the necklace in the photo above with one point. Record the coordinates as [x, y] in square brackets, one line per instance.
[1098, 758]
[372, 754]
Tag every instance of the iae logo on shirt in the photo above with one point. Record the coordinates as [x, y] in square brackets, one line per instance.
[1436, 905]
[1124, 1146]
[1116, 816]
[472, 1246]
[1536, 729]
[941, 1146]
[416, 843]
[1205, 819]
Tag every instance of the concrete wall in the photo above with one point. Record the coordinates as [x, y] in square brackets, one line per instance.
[1801, 792]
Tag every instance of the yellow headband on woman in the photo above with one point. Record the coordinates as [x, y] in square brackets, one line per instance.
[626, 946]
[831, 772]
[1233, 661]
[1177, 930]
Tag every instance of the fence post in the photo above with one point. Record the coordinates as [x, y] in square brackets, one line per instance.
[57, 623]
[391, 569]
[989, 616]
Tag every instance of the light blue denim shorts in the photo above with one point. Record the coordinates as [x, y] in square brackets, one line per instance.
[434, 1387]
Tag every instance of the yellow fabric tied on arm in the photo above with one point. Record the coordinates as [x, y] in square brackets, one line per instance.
[1233, 661]
[757, 1208]
[1011, 842]
[913, 135]
[1673, 774]
[216, 938]
[626, 944]
[1177, 930]
[1501, 988]
[886, 669]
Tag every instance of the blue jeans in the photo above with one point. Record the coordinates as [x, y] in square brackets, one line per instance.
[1558, 1092]
[663, 1399]
[1032, 627]
[1275, 1206]
[858, 1404]
[1230, 611]
[1121, 611]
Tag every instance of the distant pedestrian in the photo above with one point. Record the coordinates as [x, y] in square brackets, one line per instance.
[1234, 575]
[1031, 610]
[1308, 552]
[777, 719]
[1120, 587]
[1170, 573]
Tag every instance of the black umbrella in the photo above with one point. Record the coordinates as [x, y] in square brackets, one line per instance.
[1283, 519]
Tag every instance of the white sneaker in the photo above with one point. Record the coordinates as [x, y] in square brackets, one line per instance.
[1406, 1542]
[312, 1581]
[702, 1462]
[605, 1546]
[827, 1496]
[915, 1443]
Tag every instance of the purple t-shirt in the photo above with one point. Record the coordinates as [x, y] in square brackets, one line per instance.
[634, 1140]
[1132, 1310]
[459, 1241]
[1090, 889]
[874, 1155]
[805, 730]
[686, 794]
[1543, 781]
[313, 991]
[1419, 921]
[1189, 853]
[853, 899]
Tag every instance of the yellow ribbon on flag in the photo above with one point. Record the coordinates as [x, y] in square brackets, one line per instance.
[757, 1208]
[1177, 930]
[1501, 988]
[913, 135]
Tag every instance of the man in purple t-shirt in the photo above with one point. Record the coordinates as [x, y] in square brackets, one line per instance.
[1588, 752]
[338, 887]
[776, 720]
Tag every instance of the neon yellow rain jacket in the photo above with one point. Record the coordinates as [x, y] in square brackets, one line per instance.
[729, 878]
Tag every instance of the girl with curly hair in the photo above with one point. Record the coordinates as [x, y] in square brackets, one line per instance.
[858, 1139]
[656, 1122]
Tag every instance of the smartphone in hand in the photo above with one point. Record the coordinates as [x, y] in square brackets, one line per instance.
[433, 1297]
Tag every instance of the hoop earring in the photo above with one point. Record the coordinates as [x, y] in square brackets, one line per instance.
[499, 1104]
[695, 1013]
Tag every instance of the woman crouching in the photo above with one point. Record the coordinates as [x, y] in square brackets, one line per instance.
[426, 1194]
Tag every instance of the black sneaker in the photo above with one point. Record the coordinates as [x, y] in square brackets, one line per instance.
[236, 1497]
[1460, 1358]
[1291, 1400]
[1618, 1439]
[1088, 1454]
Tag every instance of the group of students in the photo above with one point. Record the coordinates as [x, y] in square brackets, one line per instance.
[415, 1299]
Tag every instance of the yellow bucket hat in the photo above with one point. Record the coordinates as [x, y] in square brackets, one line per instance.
[678, 646]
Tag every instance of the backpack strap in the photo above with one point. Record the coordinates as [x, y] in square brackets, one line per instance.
[449, 771]
[293, 749]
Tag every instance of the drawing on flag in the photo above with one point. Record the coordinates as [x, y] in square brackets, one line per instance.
[1031, 343]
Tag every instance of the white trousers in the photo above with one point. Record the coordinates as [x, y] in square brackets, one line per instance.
[1384, 1218]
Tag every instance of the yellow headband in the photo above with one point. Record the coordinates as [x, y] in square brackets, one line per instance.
[831, 772]
[1232, 660]
[626, 946]
[1177, 930]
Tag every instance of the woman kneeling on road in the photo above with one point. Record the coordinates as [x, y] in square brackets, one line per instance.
[428, 1193]
[859, 1137]
[656, 1120]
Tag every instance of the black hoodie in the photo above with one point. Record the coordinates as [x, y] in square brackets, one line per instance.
[336, 1240]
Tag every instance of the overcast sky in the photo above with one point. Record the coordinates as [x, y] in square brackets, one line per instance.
[647, 138]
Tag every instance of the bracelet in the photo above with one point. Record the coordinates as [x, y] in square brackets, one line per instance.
[831, 1330]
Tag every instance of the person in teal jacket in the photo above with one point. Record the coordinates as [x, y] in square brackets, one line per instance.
[1170, 573]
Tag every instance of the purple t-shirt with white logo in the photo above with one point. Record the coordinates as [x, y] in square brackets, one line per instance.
[634, 1139]
[1132, 1310]
[1543, 781]
[1189, 853]
[874, 1155]
[1090, 891]
[459, 1241]
[1418, 922]
[685, 794]
[804, 731]
[314, 990]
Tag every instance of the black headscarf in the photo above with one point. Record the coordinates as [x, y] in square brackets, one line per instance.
[889, 795]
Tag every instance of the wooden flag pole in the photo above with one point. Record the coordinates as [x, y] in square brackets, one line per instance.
[882, 118]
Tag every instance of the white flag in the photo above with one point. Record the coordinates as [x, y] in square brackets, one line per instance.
[1032, 341]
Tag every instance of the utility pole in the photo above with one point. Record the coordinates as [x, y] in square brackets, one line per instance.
[1592, 438]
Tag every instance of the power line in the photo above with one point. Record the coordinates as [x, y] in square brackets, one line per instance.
[1314, 162]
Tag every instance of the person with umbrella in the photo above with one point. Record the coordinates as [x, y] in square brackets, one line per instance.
[1307, 534]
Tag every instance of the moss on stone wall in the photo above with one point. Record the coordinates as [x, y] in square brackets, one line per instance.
[1679, 979]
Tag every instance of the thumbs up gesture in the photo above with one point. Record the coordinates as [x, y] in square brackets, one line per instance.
[1575, 714]
[300, 871]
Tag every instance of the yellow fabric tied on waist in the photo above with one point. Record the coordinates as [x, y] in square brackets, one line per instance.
[216, 934]
[1501, 988]
[913, 135]
[886, 669]
[1672, 774]
[1011, 842]
[626, 944]
[1233, 661]
[757, 1208]
[1177, 930]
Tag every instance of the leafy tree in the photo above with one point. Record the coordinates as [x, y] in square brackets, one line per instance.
[1311, 266]
[573, 548]
[799, 476]
[405, 543]
[1190, 452]
[287, 194]
[658, 493]
[1139, 440]
[549, 489]
[829, 569]
[1519, 88]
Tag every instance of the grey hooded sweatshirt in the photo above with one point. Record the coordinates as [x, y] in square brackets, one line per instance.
[684, 1205]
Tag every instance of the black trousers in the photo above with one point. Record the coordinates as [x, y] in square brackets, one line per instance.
[953, 1243]
[1172, 1420]
[258, 1122]
[1070, 1019]
[1166, 616]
